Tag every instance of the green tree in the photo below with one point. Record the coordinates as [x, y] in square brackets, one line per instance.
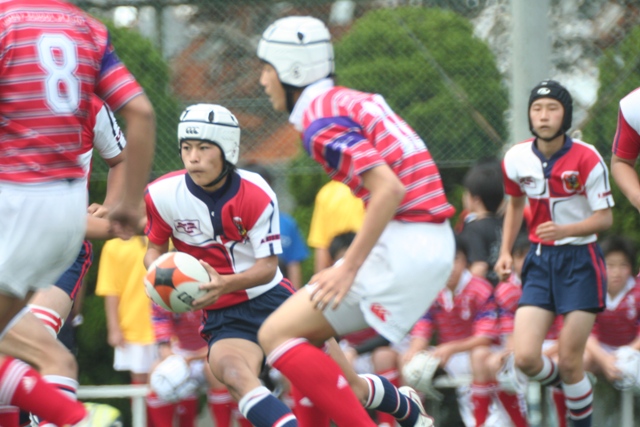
[619, 74]
[433, 73]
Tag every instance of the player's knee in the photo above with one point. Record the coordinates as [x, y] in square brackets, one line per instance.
[530, 364]
[570, 366]
[235, 374]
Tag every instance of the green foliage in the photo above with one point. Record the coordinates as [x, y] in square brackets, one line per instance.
[420, 60]
[145, 62]
[619, 75]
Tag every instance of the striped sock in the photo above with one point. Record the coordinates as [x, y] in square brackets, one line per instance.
[549, 375]
[579, 399]
[264, 410]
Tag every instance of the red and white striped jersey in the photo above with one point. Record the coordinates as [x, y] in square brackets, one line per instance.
[619, 323]
[469, 311]
[228, 229]
[565, 189]
[626, 143]
[349, 132]
[53, 58]
[507, 295]
[181, 328]
[101, 131]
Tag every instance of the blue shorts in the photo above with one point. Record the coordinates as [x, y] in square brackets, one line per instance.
[243, 320]
[565, 278]
[71, 280]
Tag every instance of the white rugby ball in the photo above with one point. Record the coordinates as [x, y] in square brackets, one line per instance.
[173, 281]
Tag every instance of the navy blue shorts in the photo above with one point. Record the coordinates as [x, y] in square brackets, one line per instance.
[565, 278]
[71, 280]
[243, 320]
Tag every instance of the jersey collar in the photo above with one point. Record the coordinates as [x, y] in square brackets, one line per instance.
[309, 93]
[547, 164]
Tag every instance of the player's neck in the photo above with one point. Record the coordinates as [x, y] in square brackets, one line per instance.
[550, 147]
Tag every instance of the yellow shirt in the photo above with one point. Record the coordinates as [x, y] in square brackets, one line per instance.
[336, 211]
[121, 273]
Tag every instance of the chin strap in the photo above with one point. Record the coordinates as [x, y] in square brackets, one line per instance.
[560, 132]
[228, 167]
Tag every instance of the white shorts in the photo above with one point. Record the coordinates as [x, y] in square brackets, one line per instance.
[136, 358]
[41, 229]
[398, 281]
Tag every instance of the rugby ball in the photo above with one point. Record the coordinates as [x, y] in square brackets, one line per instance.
[173, 281]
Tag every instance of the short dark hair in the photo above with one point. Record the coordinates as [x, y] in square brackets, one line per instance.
[340, 242]
[484, 180]
[621, 244]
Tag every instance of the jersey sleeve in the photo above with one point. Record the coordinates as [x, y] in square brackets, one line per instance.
[598, 189]
[485, 322]
[339, 145]
[424, 326]
[626, 142]
[157, 230]
[511, 185]
[108, 139]
[265, 233]
[116, 85]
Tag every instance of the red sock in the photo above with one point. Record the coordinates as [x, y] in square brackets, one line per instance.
[240, 419]
[220, 405]
[319, 378]
[23, 387]
[187, 412]
[511, 404]
[561, 406]
[481, 399]
[160, 412]
[307, 414]
[394, 378]
[9, 416]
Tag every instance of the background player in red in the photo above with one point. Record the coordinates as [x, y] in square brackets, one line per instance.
[401, 256]
[227, 218]
[619, 324]
[567, 185]
[54, 57]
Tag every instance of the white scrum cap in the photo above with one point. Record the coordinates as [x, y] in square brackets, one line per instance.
[299, 48]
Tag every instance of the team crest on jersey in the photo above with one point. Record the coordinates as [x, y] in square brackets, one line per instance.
[379, 311]
[188, 226]
[527, 181]
[242, 231]
[571, 181]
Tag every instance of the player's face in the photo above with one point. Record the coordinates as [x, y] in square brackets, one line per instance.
[273, 88]
[618, 272]
[459, 265]
[202, 160]
[546, 117]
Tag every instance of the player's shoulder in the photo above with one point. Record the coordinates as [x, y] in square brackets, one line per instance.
[480, 286]
[171, 179]
[254, 183]
[631, 101]
[585, 148]
[519, 152]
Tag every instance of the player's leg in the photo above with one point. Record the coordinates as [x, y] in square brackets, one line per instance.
[236, 363]
[575, 384]
[219, 400]
[483, 384]
[530, 328]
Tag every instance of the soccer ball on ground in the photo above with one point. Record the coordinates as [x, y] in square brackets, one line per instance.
[173, 281]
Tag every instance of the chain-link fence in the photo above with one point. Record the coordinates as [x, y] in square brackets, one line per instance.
[444, 65]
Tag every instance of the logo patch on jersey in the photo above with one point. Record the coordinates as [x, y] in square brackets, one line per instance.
[379, 311]
[527, 181]
[242, 231]
[188, 226]
[571, 181]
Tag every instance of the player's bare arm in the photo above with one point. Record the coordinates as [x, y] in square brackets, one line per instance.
[446, 350]
[625, 175]
[115, 183]
[510, 229]
[260, 273]
[601, 220]
[154, 251]
[386, 192]
[141, 136]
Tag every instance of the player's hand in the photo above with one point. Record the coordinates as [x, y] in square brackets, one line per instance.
[610, 369]
[549, 231]
[124, 221]
[331, 285]
[98, 210]
[215, 288]
[444, 353]
[115, 338]
[503, 266]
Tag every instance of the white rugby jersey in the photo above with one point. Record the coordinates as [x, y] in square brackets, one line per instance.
[228, 229]
[100, 131]
[565, 189]
[626, 143]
